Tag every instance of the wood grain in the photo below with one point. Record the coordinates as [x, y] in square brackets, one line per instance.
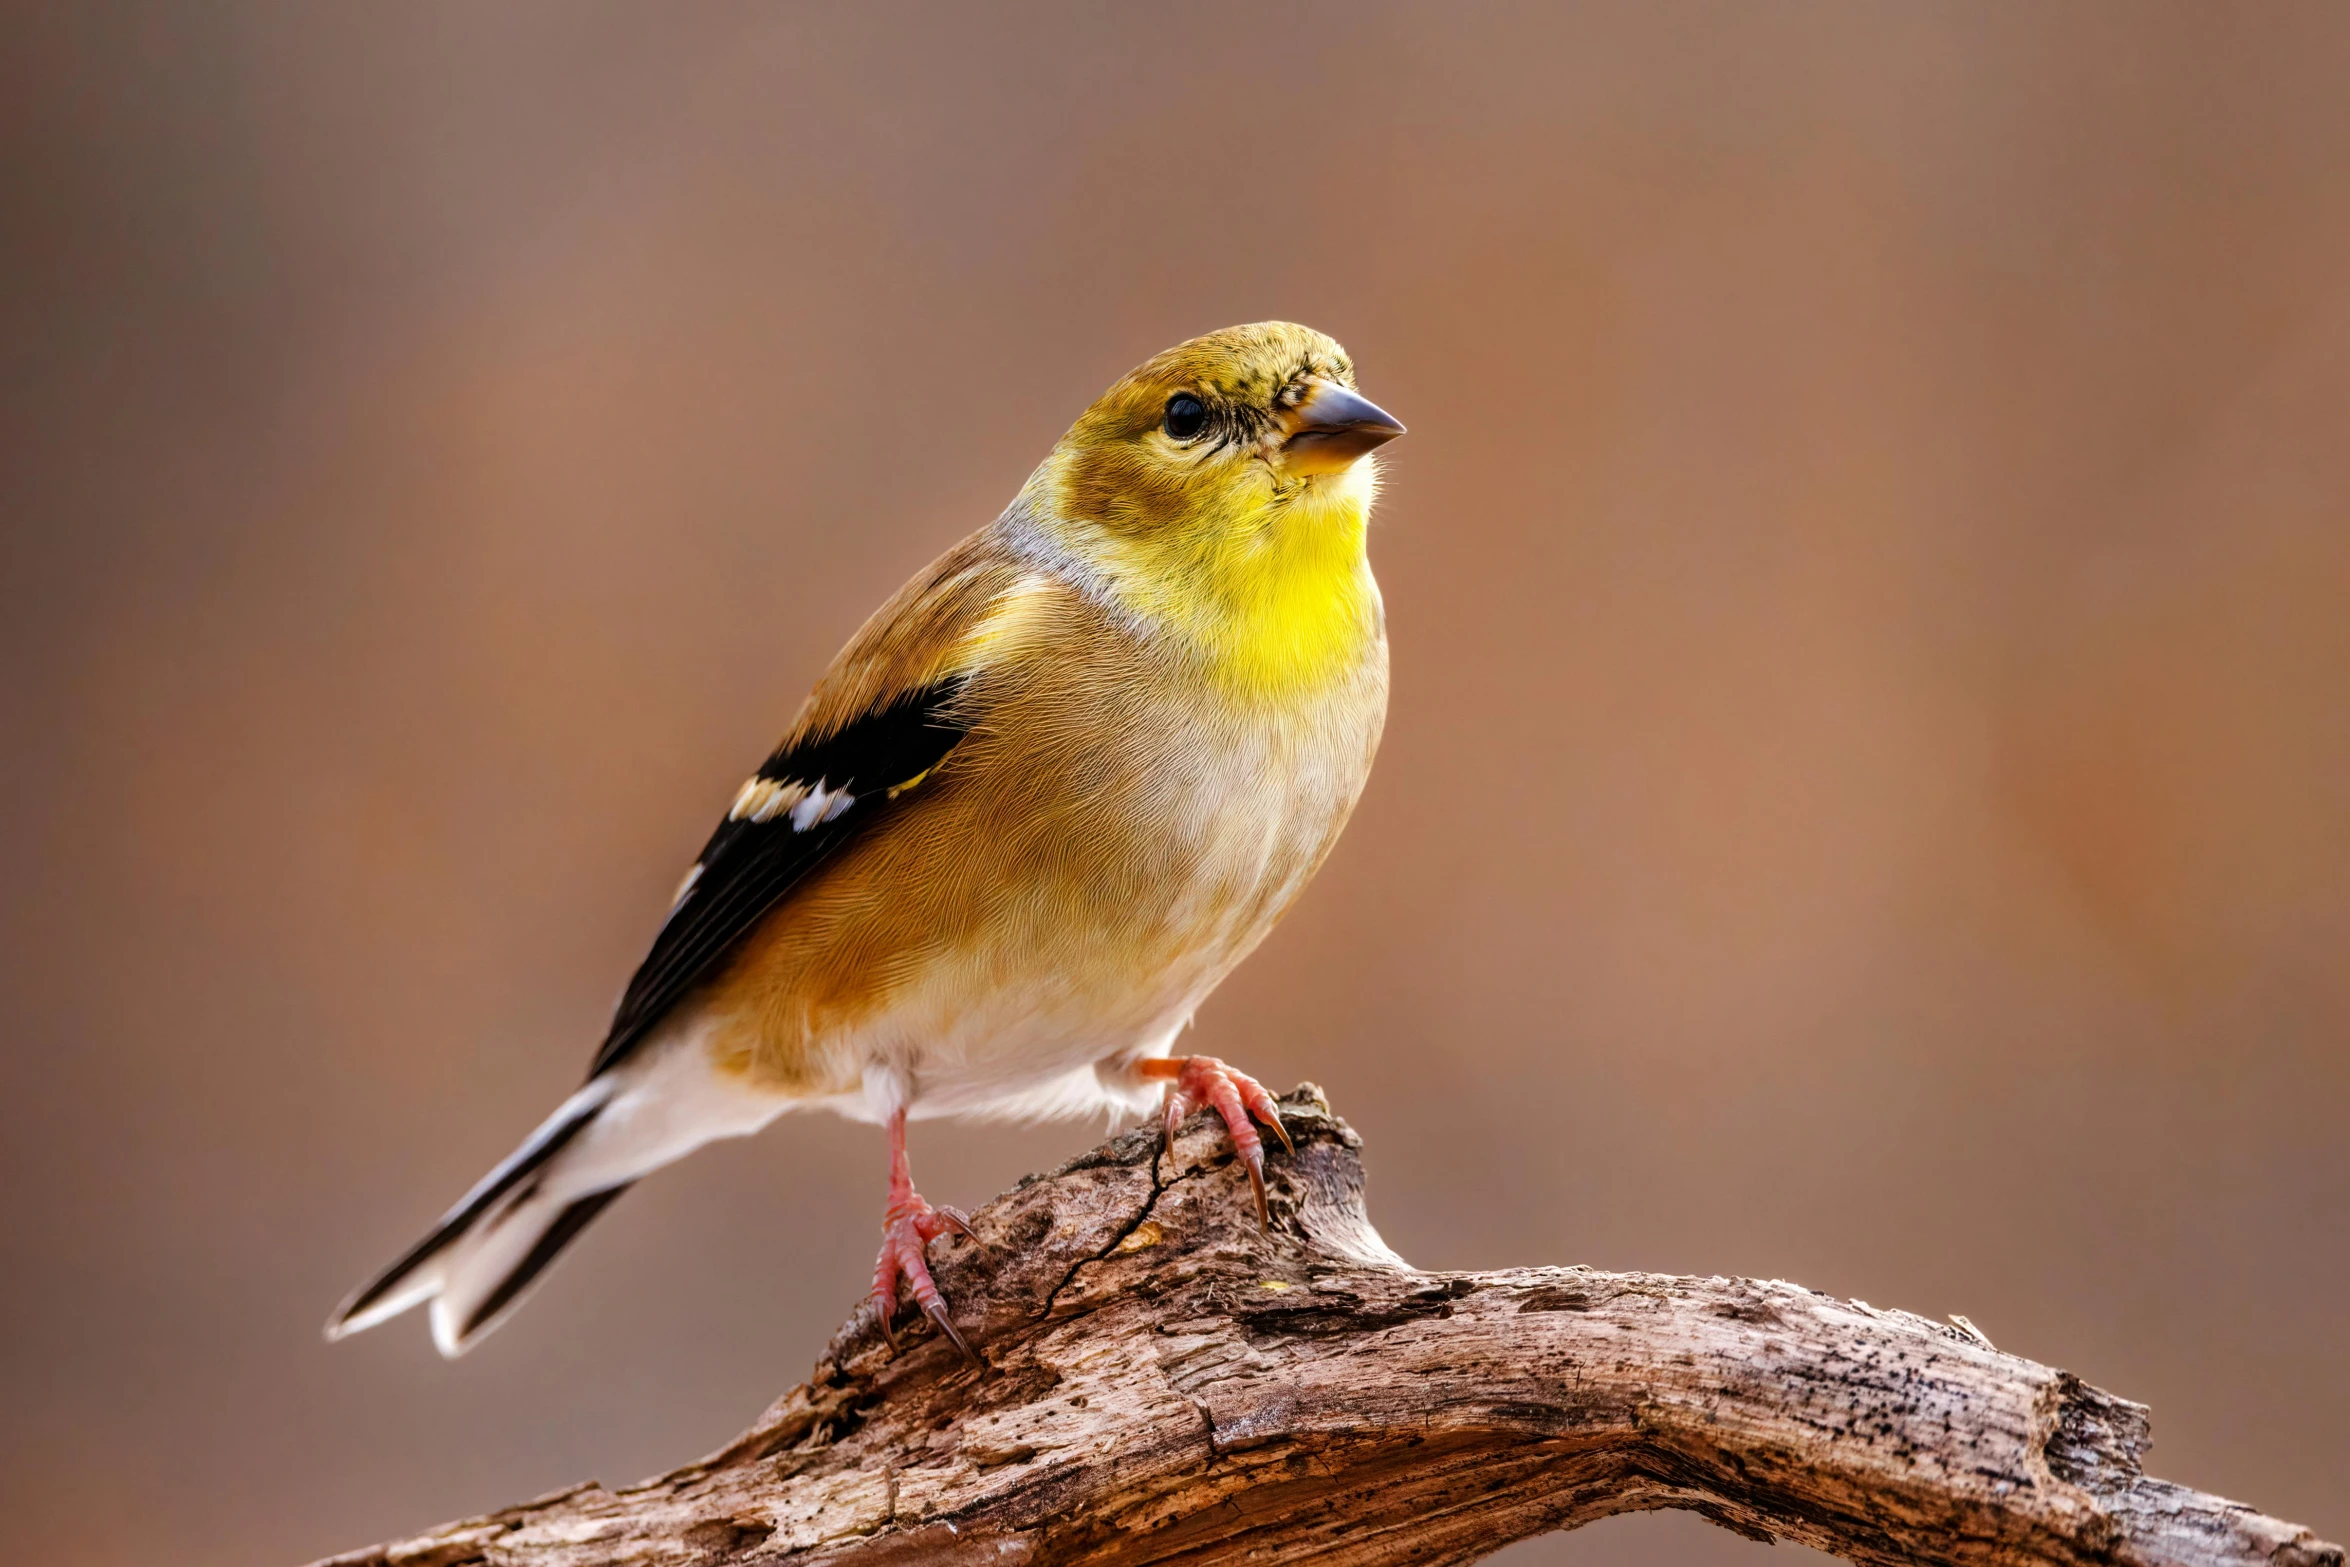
[1166, 1383]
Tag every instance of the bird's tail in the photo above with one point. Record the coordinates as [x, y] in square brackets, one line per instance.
[487, 1252]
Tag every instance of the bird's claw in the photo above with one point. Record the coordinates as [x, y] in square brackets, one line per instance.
[960, 1222]
[936, 1311]
[1253, 1161]
[906, 1233]
[1271, 1114]
[1236, 1097]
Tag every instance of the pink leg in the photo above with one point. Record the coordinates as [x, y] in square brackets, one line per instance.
[1193, 1081]
[907, 1228]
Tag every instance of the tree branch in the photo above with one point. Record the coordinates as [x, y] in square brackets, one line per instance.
[1164, 1382]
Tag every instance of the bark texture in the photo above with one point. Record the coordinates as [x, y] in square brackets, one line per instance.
[1166, 1383]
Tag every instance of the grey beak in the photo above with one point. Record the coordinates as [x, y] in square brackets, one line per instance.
[1334, 427]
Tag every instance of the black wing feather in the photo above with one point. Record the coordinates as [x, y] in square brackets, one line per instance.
[748, 866]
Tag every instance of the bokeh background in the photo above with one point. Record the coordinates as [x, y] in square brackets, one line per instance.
[1867, 799]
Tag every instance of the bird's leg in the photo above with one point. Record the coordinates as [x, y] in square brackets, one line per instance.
[907, 1228]
[1193, 1081]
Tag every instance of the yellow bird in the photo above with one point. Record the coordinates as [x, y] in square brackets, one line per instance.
[1039, 806]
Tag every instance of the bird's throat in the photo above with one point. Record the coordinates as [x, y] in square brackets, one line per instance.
[1277, 599]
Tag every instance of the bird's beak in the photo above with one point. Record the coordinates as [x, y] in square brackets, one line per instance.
[1333, 427]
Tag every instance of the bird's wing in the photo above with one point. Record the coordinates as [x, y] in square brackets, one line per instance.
[892, 708]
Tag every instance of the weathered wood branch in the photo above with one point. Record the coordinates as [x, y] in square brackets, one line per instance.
[1164, 1382]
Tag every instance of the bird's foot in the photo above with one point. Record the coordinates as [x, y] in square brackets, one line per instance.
[906, 1231]
[1196, 1081]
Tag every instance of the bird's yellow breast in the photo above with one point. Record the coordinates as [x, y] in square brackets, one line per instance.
[1276, 597]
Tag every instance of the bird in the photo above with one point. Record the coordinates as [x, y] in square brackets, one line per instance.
[1036, 809]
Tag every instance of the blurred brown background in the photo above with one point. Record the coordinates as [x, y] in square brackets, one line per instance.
[1867, 790]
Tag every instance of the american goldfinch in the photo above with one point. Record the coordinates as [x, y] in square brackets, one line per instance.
[1039, 806]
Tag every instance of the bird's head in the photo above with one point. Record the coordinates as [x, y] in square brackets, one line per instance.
[1230, 475]
[1220, 433]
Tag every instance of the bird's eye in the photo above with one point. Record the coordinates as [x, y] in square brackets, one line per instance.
[1186, 416]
